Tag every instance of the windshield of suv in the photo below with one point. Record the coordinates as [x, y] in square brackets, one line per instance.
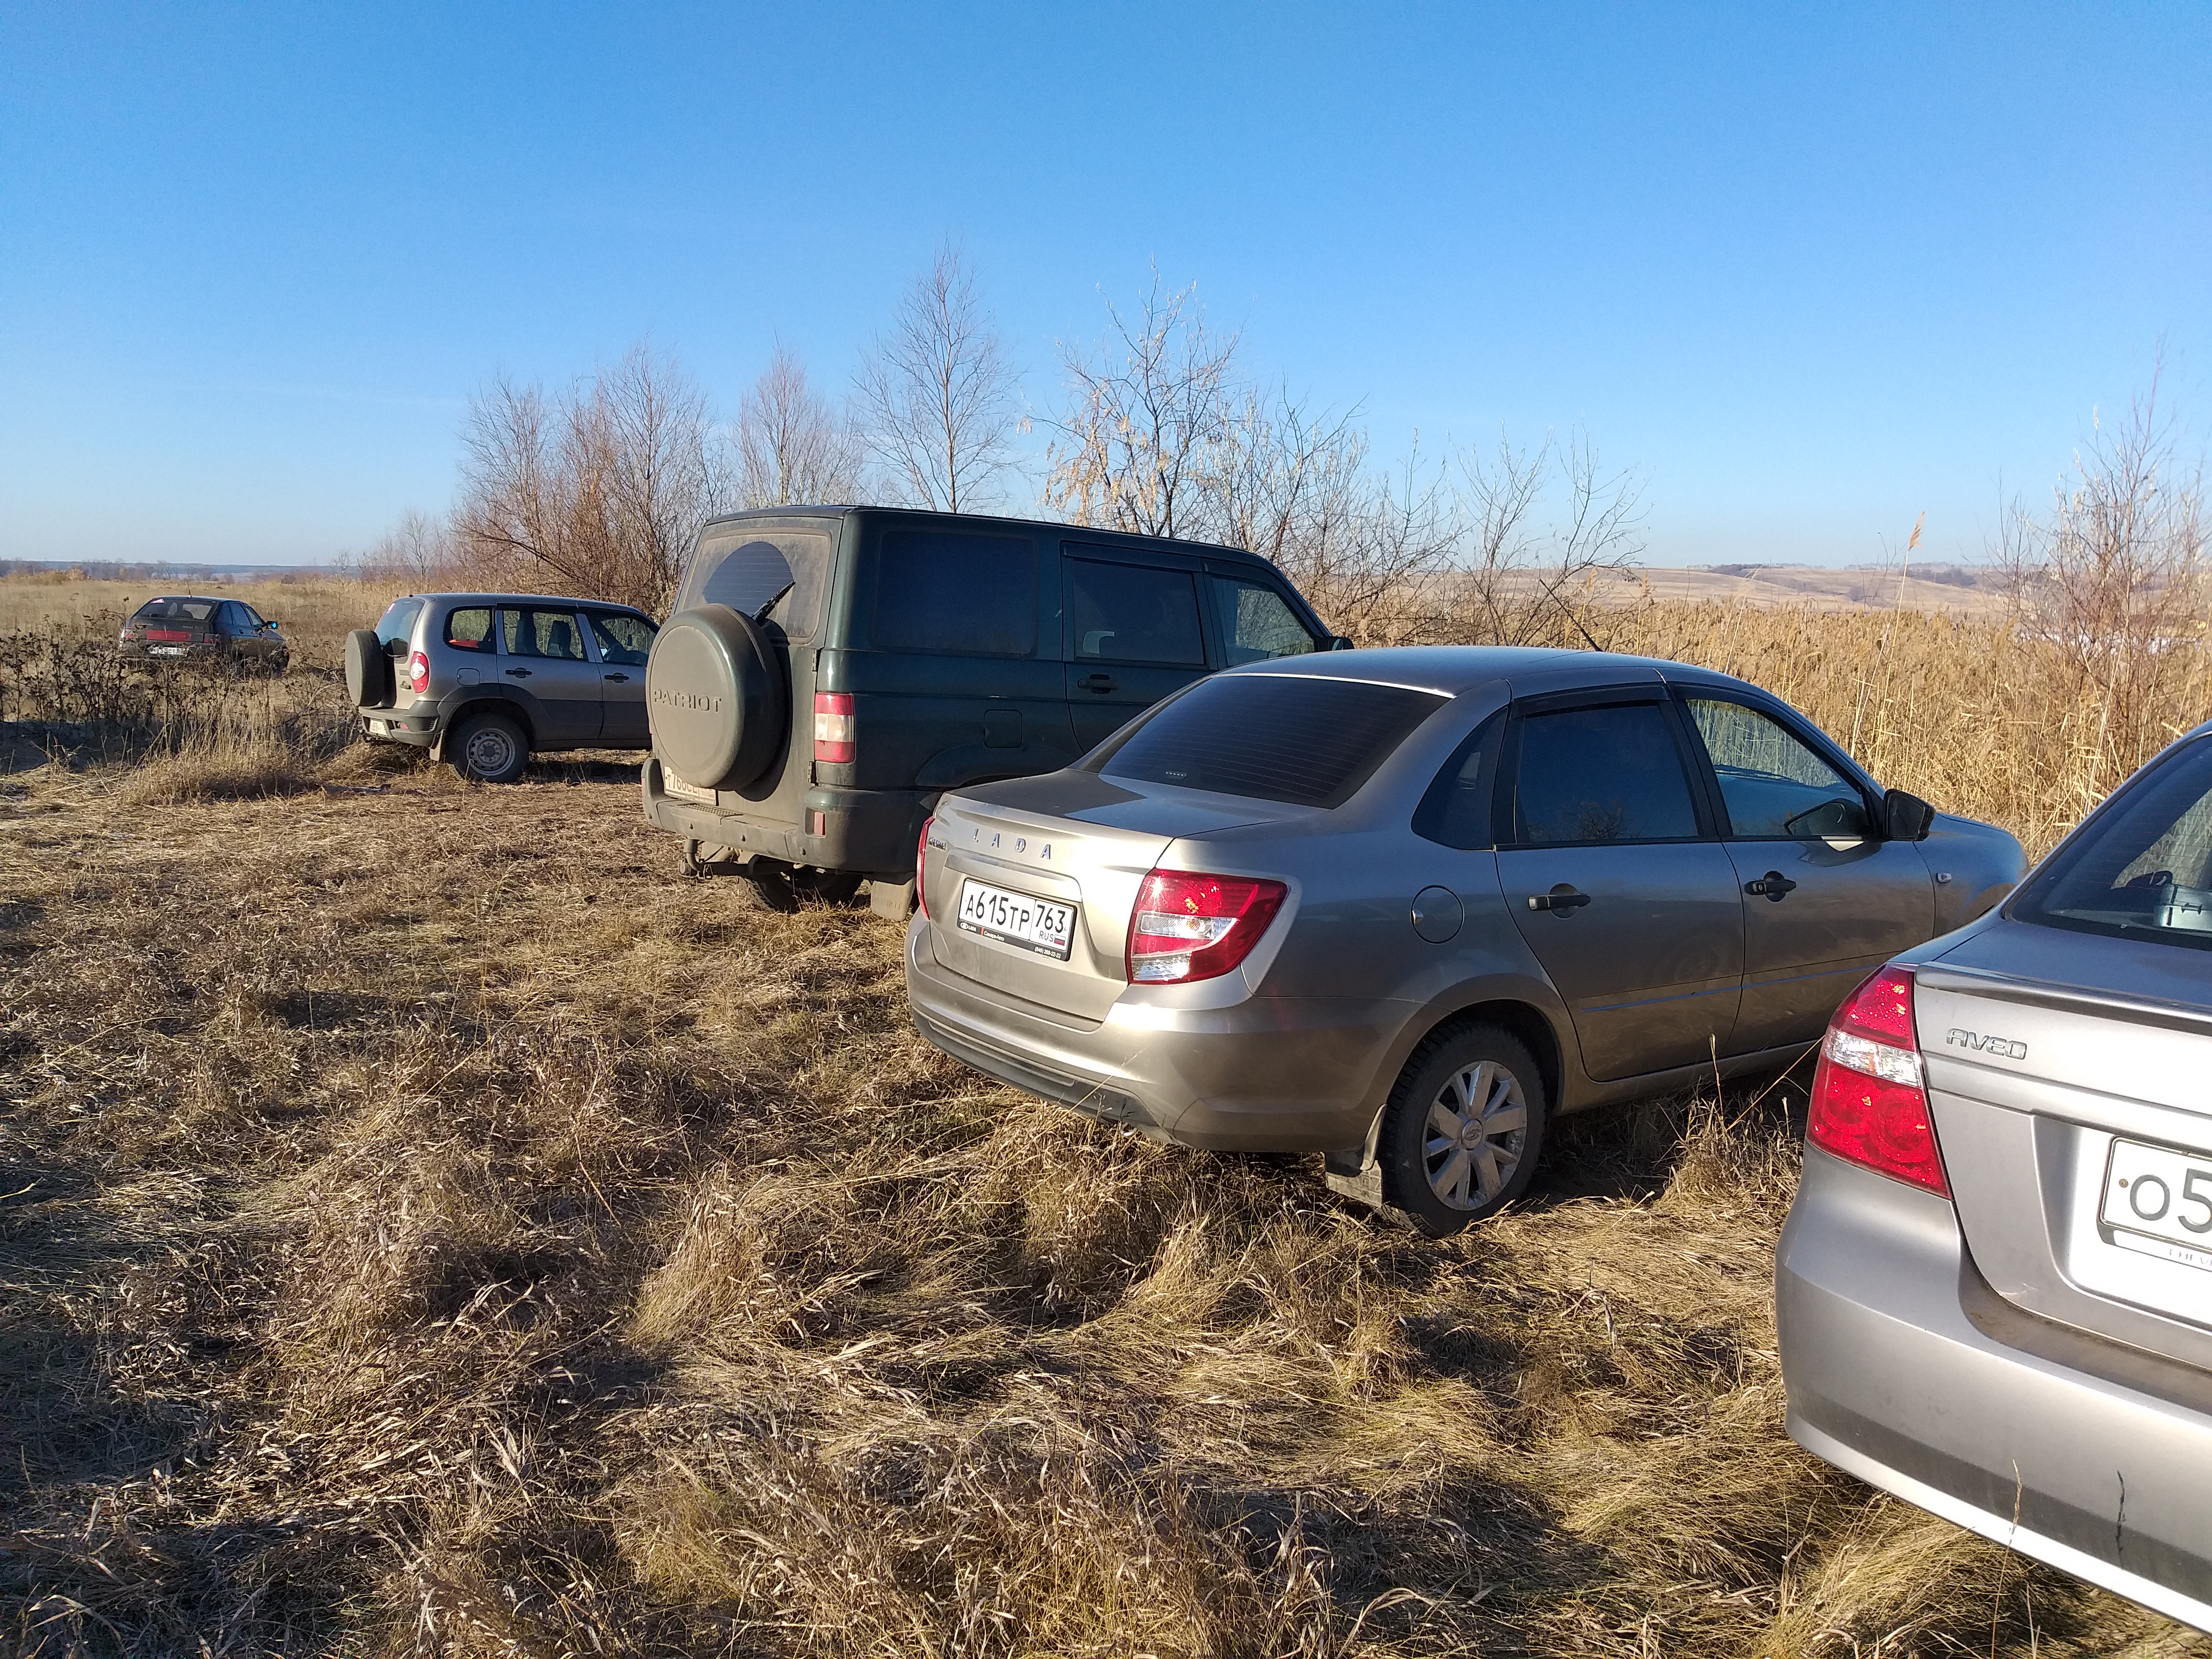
[745, 566]
[2143, 868]
[1294, 738]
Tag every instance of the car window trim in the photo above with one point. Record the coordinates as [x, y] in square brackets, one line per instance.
[1798, 727]
[1615, 696]
[1209, 639]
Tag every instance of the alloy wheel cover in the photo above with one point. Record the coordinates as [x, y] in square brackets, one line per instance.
[1472, 1138]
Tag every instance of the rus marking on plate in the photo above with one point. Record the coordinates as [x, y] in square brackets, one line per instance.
[1987, 1045]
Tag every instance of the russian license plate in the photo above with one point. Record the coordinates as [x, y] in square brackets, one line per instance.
[675, 785]
[165, 650]
[2158, 1202]
[1034, 924]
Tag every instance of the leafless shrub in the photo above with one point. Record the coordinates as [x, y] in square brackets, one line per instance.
[597, 489]
[1556, 583]
[792, 446]
[936, 394]
[2112, 579]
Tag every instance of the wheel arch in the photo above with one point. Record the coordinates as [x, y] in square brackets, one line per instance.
[483, 704]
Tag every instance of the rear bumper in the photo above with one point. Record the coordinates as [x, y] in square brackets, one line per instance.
[1265, 1075]
[1905, 1369]
[871, 832]
[418, 726]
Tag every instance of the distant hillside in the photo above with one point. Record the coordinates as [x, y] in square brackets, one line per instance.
[1965, 589]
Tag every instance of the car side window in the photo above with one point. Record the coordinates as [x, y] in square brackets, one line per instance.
[1257, 624]
[624, 641]
[951, 592]
[536, 633]
[1456, 809]
[468, 628]
[1586, 777]
[1134, 613]
[1774, 786]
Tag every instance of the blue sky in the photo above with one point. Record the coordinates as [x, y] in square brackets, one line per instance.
[1813, 272]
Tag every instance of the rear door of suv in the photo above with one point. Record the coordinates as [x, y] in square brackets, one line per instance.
[1136, 632]
[543, 656]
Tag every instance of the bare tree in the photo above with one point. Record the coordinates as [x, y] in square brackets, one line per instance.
[1150, 419]
[2112, 579]
[419, 553]
[1558, 583]
[601, 487]
[792, 445]
[936, 394]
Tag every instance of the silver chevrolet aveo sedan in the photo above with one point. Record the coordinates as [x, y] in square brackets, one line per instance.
[1994, 1288]
[1401, 907]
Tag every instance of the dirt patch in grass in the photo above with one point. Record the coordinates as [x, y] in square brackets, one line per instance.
[431, 1225]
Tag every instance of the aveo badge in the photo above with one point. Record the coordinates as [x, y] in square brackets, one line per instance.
[1983, 1044]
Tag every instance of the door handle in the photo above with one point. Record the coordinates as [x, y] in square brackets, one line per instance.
[614, 677]
[1562, 900]
[1099, 682]
[519, 673]
[1771, 886]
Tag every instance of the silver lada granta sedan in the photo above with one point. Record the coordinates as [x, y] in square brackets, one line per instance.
[1994, 1288]
[1401, 905]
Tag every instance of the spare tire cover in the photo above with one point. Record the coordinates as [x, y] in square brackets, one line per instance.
[715, 692]
[368, 670]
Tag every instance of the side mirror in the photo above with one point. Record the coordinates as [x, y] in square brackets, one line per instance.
[1906, 817]
[1338, 643]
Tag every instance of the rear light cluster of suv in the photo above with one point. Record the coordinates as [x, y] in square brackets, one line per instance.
[1869, 1091]
[418, 674]
[833, 728]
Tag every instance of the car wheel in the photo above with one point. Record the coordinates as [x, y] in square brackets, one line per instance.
[1460, 1135]
[773, 887]
[489, 748]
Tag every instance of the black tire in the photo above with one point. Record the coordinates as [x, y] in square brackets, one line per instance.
[489, 748]
[1441, 1183]
[838, 887]
[773, 886]
[717, 696]
[368, 670]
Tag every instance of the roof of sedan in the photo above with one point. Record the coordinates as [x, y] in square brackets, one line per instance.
[1454, 669]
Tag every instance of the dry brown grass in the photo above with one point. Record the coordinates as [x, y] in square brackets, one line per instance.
[431, 1227]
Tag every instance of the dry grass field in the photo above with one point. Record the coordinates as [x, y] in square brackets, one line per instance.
[429, 1225]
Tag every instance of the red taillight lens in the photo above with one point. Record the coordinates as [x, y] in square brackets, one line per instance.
[174, 635]
[1189, 927]
[418, 673]
[1870, 1099]
[833, 726]
[921, 869]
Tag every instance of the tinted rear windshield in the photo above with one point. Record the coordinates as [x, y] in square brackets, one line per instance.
[2143, 869]
[746, 566]
[396, 627]
[196, 610]
[1296, 737]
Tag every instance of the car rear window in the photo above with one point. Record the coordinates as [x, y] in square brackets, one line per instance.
[2142, 867]
[196, 610]
[946, 592]
[397, 626]
[1298, 738]
[747, 566]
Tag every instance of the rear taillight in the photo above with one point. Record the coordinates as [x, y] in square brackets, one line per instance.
[833, 726]
[174, 635]
[1869, 1094]
[921, 869]
[418, 673]
[1189, 927]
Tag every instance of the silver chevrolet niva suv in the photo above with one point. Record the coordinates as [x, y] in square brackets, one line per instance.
[1401, 907]
[484, 680]
[1994, 1291]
